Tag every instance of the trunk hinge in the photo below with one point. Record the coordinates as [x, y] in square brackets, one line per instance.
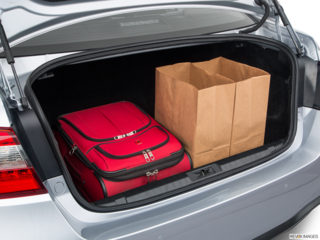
[264, 18]
[7, 51]
[297, 43]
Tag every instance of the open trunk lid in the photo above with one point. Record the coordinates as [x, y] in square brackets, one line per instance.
[43, 16]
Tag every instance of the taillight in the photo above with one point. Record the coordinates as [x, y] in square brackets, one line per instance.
[17, 176]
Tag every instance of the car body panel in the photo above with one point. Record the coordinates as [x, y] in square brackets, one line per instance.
[286, 184]
[34, 218]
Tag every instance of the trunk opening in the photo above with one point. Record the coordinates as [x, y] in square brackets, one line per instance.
[131, 78]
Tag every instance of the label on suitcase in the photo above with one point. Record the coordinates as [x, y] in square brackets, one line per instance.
[121, 143]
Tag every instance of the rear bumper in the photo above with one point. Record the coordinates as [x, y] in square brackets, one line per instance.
[34, 217]
[243, 206]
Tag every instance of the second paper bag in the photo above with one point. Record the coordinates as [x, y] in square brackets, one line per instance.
[197, 108]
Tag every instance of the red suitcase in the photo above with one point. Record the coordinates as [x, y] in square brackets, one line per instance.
[117, 147]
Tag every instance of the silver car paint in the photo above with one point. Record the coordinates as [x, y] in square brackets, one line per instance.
[33, 218]
[37, 13]
[287, 182]
[262, 191]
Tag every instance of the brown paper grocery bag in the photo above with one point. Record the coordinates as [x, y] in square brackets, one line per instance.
[251, 101]
[197, 108]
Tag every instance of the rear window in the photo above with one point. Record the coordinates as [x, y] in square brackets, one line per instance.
[132, 28]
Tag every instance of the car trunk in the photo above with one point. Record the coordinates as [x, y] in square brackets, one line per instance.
[130, 76]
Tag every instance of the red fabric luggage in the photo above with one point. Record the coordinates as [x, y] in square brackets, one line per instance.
[117, 147]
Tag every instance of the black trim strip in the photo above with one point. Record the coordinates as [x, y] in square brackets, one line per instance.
[102, 139]
[99, 149]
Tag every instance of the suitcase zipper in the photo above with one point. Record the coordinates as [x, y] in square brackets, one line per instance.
[111, 138]
[148, 152]
[126, 174]
[146, 157]
[73, 148]
[125, 135]
[155, 172]
[80, 155]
